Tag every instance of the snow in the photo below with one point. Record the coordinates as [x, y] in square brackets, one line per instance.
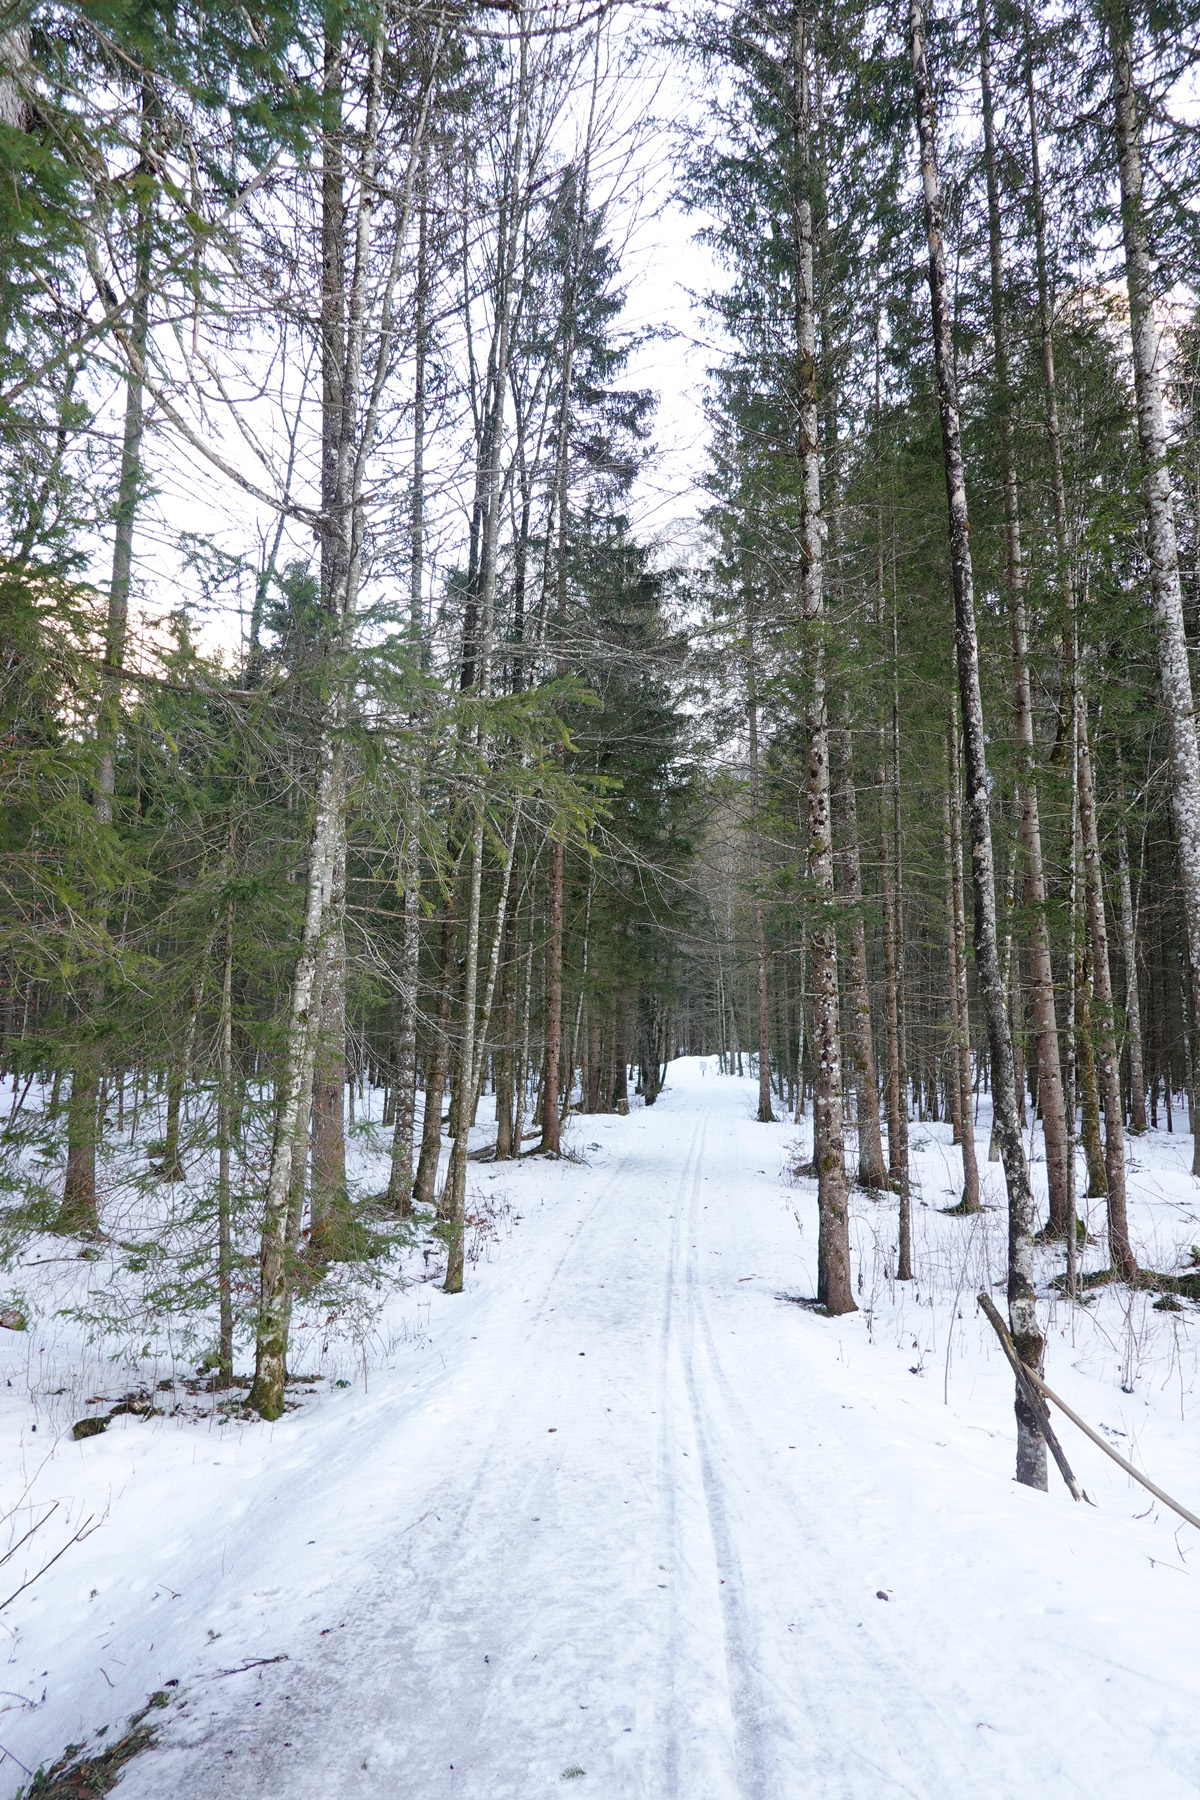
[623, 1512]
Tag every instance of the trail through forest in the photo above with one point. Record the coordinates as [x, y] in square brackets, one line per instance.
[625, 1513]
[515, 590]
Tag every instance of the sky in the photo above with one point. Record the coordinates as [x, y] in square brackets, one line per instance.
[662, 267]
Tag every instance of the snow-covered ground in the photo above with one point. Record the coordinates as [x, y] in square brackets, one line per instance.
[623, 1513]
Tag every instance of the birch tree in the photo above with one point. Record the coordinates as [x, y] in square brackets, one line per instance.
[1170, 637]
[354, 373]
[834, 1288]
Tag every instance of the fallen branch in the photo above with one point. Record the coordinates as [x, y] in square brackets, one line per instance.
[1033, 1383]
[8, 1753]
[1036, 1404]
[9, 1694]
[255, 1662]
[13, 1548]
[85, 1531]
[1116, 1456]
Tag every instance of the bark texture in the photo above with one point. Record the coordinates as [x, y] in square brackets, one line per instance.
[330, 1205]
[1175, 677]
[897, 1137]
[765, 1113]
[550, 1132]
[1123, 1260]
[438, 1062]
[1041, 972]
[960, 1012]
[1133, 1004]
[834, 1288]
[872, 1171]
[400, 1176]
[225, 1122]
[1031, 1451]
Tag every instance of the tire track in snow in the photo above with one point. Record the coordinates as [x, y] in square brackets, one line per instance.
[674, 1706]
[748, 1772]
[758, 1777]
[766, 1688]
[427, 1571]
[867, 1665]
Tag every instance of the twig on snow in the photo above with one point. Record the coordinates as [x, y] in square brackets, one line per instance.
[255, 1662]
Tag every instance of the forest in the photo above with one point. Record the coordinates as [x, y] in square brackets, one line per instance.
[408, 780]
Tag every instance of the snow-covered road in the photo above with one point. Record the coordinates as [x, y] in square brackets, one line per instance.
[625, 1518]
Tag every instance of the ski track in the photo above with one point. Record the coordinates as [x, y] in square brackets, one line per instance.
[600, 1550]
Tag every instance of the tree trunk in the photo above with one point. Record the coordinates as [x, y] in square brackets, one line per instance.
[346, 443]
[452, 1205]
[1031, 1449]
[16, 77]
[554, 951]
[171, 1166]
[904, 1268]
[474, 1042]
[330, 1203]
[1123, 1260]
[620, 1087]
[1071, 1083]
[1083, 1064]
[470, 1067]
[302, 1138]
[574, 1060]
[224, 1373]
[594, 1067]
[872, 1172]
[1041, 972]
[521, 1084]
[765, 1114]
[295, 1084]
[1089, 1092]
[1175, 677]
[897, 1139]
[834, 1289]
[505, 1059]
[961, 1076]
[1133, 1005]
[400, 1178]
[79, 1211]
[439, 1056]
[1006, 972]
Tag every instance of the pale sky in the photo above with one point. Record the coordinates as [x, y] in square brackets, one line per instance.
[661, 263]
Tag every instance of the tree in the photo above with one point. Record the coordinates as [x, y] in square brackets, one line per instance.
[1031, 1452]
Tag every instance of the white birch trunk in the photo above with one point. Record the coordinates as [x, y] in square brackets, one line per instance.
[766, 1114]
[1171, 641]
[834, 1288]
[969, 1202]
[345, 460]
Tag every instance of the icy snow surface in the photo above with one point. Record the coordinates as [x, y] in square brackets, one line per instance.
[622, 1513]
